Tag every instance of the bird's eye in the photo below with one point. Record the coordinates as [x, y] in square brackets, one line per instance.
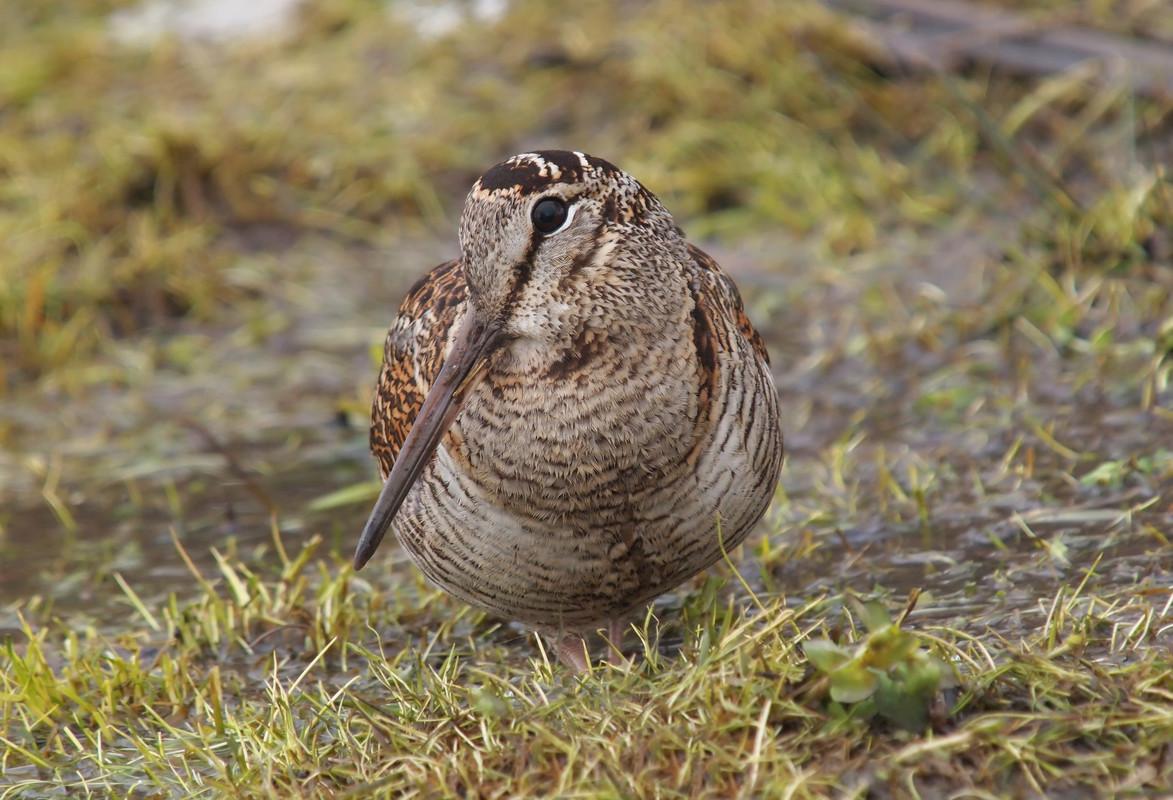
[550, 215]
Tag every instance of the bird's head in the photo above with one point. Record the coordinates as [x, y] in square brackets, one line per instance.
[532, 223]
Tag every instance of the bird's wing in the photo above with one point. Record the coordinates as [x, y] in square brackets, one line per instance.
[715, 293]
[412, 357]
[733, 372]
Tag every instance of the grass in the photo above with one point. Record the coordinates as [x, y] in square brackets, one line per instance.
[310, 682]
[965, 284]
[132, 176]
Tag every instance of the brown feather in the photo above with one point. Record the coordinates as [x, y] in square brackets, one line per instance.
[722, 288]
[412, 357]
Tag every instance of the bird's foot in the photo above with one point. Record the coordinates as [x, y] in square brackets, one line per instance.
[616, 629]
[571, 650]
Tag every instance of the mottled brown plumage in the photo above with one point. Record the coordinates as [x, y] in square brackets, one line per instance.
[591, 413]
[411, 362]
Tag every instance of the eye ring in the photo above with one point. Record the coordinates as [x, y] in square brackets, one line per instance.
[550, 215]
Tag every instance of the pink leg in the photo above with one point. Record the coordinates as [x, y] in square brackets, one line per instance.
[572, 651]
[616, 630]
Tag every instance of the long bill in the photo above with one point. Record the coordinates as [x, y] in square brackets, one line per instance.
[462, 369]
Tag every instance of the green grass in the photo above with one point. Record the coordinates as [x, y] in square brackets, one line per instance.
[966, 286]
[309, 682]
[130, 176]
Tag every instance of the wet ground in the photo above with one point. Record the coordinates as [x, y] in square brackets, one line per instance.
[930, 444]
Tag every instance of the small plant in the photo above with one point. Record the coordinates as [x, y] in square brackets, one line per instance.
[887, 674]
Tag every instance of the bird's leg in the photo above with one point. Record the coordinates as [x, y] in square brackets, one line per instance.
[616, 629]
[572, 651]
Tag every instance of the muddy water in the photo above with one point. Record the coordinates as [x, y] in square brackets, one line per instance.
[130, 528]
[913, 461]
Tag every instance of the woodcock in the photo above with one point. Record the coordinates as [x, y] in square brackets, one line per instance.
[576, 416]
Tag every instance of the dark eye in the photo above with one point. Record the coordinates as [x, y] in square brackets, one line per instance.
[549, 214]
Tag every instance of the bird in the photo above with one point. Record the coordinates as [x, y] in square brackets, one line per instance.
[576, 415]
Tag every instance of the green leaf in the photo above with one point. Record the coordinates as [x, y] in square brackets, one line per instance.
[852, 683]
[888, 647]
[903, 697]
[904, 709]
[825, 655]
[875, 616]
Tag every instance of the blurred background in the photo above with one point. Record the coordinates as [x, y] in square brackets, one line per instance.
[952, 221]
